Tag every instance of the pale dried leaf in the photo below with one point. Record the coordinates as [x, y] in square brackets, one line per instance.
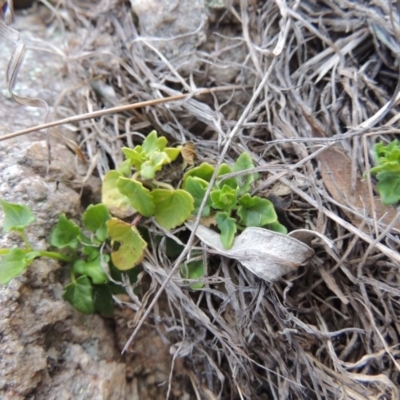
[267, 254]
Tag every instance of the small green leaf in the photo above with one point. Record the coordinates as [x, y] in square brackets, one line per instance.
[65, 233]
[172, 207]
[153, 164]
[277, 227]
[227, 226]
[387, 157]
[80, 294]
[131, 245]
[139, 197]
[161, 143]
[112, 198]
[89, 250]
[150, 143]
[172, 153]
[243, 163]
[125, 168]
[387, 171]
[103, 300]
[193, 270]
[197, 188]
[12, 265]
[135, 156]
[94, 219]
[92, 269]
[224, 199]
[224, 170]
[255, 211]
[203, 171]
[16, 216]
[29, 257]
[389, 187]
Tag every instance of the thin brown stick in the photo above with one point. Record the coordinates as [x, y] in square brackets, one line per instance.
[115, 110]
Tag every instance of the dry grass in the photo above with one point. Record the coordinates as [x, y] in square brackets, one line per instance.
[296, 78]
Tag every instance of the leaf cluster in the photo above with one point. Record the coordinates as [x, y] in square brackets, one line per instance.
[387, 171]
[230, 205]
[90, 289]
[133, 188]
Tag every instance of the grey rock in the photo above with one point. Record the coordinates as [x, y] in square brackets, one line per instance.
[47, 349]
[174, 27]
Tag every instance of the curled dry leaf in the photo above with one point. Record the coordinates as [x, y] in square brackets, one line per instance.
[267, 254]
[188, 152]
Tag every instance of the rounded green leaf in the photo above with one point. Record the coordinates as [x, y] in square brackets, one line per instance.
[139, 197]
[172, 153]
[162, 143]
[125, 168]
[92, 269]
[65, 233]
[150, 144]
[204, 171]
[193, 270]
[94, 219]
[113, 199]
[224, 199]
[389, 187]
[135, 156]
[225, 169]
[197, 187]
[12, 265]
[16, 216]
[243, 163]
[255, 211]
[227, 227]
[91, 251]
[277, 227]
[172, 207]
[155, 163]
[80, 294]
[131, 245]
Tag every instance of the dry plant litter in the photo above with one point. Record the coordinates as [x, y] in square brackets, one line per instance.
[306, 88]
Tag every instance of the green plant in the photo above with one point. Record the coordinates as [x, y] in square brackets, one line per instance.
[141, 187]
[387, 171]
[230, 206]
[90, 289]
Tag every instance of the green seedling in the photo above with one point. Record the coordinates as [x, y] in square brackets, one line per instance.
[230, 203]
[135, 188]
[387, 171]
[81, 249]
[110, 241]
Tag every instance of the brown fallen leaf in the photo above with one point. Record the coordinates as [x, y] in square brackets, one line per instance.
[188, 152]
[336, 172]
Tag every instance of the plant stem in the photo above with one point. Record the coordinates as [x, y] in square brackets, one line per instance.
[25, 239]
[49, 254]
[57, 256]
[163, 185]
